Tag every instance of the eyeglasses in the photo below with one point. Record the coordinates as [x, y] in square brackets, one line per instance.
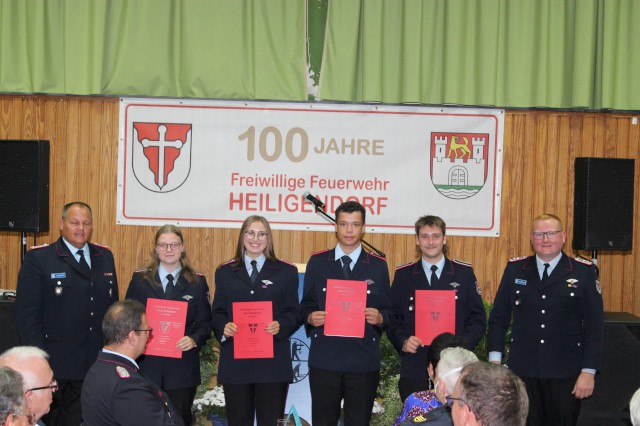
[165, 246]
[148, 330]
[253, 234]
[53, 386]
[552, 235]
[450, 400]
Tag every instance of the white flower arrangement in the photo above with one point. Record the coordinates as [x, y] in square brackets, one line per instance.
[212, 402]
[377, 407]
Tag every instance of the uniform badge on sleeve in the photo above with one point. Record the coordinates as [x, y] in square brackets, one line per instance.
[122, 372]
[598, 288]
[478, 289]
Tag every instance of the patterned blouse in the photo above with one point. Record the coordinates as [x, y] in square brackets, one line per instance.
[418, 403]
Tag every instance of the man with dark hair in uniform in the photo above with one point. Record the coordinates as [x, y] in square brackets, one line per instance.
[345, 367]
[114, 391]
[63, 291]
[558, 327]
[434, 271]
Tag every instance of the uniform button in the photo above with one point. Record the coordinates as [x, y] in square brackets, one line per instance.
[517, 291]
[571, 294]
[544, 296]
[324, 289]
[91, 313]
[90, 328]
[542, 341]
[543, 311]
[91, 283]
[368, 291]
[251, 291]
[542, 326]
[91, 298]
[411, 298]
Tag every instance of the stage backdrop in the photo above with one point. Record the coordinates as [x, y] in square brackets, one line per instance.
[213, 163]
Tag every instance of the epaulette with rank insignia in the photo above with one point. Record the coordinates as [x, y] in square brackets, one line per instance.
[102, 245]
[39, 247]
[227, 262]
[378, 256]
[139, 271]
[405, 265]
[584, 261]
[200, 274]
[517, 259]
[288, 263]
[320, 252]
[462, 262]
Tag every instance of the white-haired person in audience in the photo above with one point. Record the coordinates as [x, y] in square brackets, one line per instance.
[488, 395]
[37, 376]
[452, 361]
[634, 408]
[11, 398]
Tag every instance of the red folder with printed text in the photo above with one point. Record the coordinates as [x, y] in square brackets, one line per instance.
[435, 313]
[345, 304]
[168, 319]
[251, 340]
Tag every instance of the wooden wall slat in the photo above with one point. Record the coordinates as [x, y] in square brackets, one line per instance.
[538, 174]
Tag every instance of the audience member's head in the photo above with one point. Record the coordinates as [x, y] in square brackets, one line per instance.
[634, 408]
[452, 360]
[489, 395]
[125, 328]
[37, 378]
[439, 343]
[12, 404]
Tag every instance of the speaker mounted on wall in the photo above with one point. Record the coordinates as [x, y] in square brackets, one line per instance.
[603, 204]
[24, 185]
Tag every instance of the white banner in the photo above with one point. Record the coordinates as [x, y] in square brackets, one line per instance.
[213, 163]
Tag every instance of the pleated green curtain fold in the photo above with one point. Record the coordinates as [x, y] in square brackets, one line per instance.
[508, 53]
[251, 49]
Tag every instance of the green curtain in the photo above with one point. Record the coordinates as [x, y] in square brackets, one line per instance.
[250, 49]
[507, 53]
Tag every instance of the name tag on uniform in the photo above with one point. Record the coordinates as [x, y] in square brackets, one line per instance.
[521, 281]
[57, 275]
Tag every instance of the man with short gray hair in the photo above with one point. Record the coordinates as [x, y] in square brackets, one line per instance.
[11, 397]
[38, 382]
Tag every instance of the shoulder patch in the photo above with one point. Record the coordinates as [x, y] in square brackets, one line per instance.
[122, 372]
[39, 247]
[584, 261]
[102, 245]
[517, 259]
[462, 262]
[405, 265]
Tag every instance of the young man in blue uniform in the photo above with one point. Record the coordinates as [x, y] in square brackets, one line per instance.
[558, 328]
[434, 271]
[345, 367]
[63, 292]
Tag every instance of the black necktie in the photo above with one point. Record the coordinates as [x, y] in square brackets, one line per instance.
[434, 277]
[83, 262]
[170, 284]
[346, 261]
[254, 271]
[545, 274]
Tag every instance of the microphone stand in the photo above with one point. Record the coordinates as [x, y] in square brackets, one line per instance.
[320, 210]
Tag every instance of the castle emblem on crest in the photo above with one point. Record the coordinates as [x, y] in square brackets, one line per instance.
[161, 155]
[459, 163]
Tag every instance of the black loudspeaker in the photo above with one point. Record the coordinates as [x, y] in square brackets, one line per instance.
[24, 185]
[603, 204]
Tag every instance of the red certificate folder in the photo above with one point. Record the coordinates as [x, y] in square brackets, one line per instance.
[345, 305]
[435, 313]
[168, 319]
[251, 341]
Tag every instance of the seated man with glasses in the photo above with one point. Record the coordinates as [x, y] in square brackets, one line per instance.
[114, 391]
[37, 376]
[488, 395]
[555, 303]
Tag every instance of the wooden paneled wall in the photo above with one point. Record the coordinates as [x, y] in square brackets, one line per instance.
[538, 175]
